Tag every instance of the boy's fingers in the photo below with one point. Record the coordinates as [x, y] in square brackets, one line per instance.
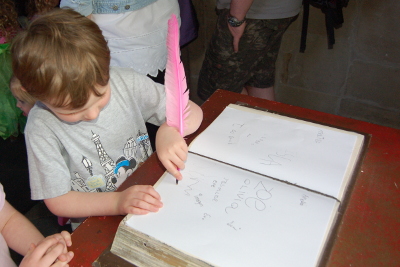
[67, 237]
[142, 199]
[30, 250]
[174, 170]
[46, 245]
[62, 257]
[137, 211]
[147, 202]
[70, 255]
[175, 163]
[60, 264]
[66, 257]
[56, 250]
[52, 254]
[150, 200]
[151, 191]
[182, 154]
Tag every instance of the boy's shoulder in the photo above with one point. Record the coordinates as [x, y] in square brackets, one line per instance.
[40, 115]
[40, 111]
[123, 80]
[41, 122]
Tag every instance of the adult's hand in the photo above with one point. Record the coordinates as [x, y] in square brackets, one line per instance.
[237, 33]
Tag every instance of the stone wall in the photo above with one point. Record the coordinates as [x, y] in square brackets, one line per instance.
[358, 78]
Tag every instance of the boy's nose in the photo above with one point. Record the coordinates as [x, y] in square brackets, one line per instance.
[91, 114]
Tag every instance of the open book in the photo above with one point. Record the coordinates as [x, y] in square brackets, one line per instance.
[259, 189]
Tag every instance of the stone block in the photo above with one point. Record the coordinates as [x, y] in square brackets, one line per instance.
[305, 98]
[367, 112]
[374, 83]
[318, 69]
[377, 37]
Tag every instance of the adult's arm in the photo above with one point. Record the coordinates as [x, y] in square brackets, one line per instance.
[238, 9]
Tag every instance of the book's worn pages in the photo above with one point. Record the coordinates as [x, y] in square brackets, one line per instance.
[259, 189]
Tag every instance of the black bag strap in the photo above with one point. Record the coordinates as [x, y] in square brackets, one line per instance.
[333, 18]
[329, 22]
[306, 13]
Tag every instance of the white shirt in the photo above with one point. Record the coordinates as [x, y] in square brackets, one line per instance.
[137, 39]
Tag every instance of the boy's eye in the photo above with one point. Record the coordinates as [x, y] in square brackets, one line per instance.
[71, 113]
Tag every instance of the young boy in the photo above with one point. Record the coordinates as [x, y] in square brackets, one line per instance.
[90, 120]
[25, 101]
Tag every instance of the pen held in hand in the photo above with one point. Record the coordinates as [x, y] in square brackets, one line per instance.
[177, 179]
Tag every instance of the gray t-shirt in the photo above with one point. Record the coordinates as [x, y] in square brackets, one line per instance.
[98, 155]
[268, 9]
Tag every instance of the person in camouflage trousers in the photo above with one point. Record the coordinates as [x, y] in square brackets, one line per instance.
[244, 62]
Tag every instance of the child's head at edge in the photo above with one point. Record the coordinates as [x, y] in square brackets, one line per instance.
[61, 59]
[24, 100]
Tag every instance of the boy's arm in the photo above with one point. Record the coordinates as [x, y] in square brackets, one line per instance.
[170, 145]
[138, 199]
[18, 232]
[193, 121]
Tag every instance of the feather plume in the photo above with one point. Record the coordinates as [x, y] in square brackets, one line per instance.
[177, 93]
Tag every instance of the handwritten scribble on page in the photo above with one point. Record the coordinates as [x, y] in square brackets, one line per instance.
[310, 155]
[218, 211]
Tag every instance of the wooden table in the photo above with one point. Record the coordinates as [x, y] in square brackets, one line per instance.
[369, 233]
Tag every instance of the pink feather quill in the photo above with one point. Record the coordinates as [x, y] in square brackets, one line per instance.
[177, 93]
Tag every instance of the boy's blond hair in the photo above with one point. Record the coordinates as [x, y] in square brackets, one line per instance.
[61, 58]
[18, 92]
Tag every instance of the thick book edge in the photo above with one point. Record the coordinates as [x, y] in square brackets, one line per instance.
[329, 236]
[145, 251]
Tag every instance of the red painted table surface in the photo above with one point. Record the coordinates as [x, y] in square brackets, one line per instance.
[369, 232]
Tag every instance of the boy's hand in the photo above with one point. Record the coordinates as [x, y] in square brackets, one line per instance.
[171, 149]
[52, 251]
[64, 237]
[139, 199]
